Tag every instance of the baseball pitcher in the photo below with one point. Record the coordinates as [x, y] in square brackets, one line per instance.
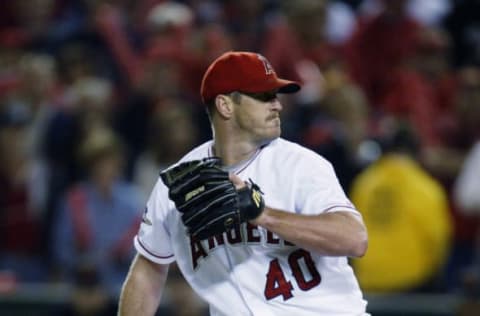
[258, 225]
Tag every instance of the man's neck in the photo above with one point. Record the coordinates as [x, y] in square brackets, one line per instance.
[232, 145]
[233, 153]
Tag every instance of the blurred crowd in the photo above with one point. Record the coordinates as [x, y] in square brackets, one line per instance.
[97, 96]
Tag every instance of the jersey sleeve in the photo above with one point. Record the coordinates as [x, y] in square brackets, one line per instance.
[319, 190]
[153, 239]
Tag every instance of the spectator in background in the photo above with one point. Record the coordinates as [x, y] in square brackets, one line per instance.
[445, 91]
[434, 71]
[338, 128]
[160, 81]
[171, 133]
[21, 220]
[304, 43]
[29, 86]
[406, 212]
[87, 103]
[81, 92]
[37, 91]
[466, 112]
[374, 55]
[170, 35]
[246, 22]
[299, 37]
[298, 46]
[169, 64]
[88, 249]
[409, 77]
[38, 24]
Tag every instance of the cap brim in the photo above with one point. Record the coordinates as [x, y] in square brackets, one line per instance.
[287, 86]
[278, 85]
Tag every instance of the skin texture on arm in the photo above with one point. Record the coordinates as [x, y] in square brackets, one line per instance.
[143, 288]
[330, 234]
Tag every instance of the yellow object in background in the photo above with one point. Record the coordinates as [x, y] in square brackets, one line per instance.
[408, 221]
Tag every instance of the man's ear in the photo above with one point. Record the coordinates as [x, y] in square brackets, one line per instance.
[224, 106]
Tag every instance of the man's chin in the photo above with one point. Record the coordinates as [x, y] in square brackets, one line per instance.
[268, 138]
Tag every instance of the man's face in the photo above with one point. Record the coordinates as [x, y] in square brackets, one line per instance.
[257, 115]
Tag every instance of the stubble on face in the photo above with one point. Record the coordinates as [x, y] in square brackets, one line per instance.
[272, 128]
[256, 119]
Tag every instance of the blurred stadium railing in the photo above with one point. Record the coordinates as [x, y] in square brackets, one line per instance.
[47, 299]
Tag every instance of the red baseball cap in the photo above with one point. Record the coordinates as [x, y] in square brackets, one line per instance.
[244, 72]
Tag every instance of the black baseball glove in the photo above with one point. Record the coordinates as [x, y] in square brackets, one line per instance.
[208, 200]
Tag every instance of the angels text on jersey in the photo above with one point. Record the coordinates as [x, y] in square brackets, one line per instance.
[245, 234]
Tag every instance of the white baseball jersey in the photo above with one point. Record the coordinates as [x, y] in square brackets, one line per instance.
[249, 270]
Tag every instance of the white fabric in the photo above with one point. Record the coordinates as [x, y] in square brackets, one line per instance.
[232, 277]
[467, 186]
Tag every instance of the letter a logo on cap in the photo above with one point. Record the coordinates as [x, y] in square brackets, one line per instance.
[268, 68]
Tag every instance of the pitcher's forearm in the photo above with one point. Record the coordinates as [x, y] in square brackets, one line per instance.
[143, 288]
[331, 234]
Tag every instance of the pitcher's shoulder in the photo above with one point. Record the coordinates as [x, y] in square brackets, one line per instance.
[287, 149]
